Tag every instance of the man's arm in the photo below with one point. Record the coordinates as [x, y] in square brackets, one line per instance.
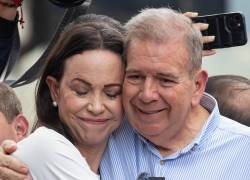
[10, 167]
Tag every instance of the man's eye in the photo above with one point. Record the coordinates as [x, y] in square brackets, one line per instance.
[166, 82]
[134, 78]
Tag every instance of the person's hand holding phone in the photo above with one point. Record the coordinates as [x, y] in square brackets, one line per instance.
[229, 29]
[205, 39]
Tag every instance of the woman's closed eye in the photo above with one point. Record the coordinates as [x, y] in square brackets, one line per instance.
[80, 87]
[81, 92]
[113, 93]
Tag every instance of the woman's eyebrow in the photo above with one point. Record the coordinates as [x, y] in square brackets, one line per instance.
[82, 81]
[112, 85]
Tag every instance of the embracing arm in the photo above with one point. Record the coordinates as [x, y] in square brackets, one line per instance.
[10, 167]
[48, 157]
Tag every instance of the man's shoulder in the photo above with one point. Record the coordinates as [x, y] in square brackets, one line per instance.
[233, 127]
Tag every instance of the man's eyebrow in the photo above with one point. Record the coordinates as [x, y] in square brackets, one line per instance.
[170, 75]
[131, 71]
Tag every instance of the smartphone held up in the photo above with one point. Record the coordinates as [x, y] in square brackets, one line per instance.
[229, 29]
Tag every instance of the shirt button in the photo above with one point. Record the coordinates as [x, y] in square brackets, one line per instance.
[193, 148]
[162, 162]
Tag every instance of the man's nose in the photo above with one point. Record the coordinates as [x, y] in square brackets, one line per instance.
[149, 91]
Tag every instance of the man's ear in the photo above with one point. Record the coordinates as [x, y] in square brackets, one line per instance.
[53, 85]
[200, 81]
[21, 127]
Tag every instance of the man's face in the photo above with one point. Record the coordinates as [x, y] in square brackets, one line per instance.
[7, 130]
[158, 90]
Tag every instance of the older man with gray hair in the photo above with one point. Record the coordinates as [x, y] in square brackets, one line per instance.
[176, 130]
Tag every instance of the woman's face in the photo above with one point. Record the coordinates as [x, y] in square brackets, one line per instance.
[89, 95]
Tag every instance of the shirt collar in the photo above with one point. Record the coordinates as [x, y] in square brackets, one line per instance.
[210, 104]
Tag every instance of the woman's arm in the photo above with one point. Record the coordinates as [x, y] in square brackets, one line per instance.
[10, 167]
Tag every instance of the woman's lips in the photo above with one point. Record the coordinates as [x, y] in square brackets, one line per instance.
[94, 121]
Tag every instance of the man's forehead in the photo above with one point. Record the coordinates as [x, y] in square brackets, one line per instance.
[155, 50]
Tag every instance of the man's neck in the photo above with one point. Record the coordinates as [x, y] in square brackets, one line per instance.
[168, 143]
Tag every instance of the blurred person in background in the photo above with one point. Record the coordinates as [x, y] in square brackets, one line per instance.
[8, 26]
[232, 93]
[13, 124]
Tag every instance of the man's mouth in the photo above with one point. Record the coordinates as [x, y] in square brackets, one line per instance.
[150, 111]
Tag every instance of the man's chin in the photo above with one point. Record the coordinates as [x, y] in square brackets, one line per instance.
[149, 130]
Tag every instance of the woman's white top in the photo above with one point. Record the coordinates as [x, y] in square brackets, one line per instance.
[50, 156]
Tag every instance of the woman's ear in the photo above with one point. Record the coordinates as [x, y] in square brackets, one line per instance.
[53, 88]
[200, 81]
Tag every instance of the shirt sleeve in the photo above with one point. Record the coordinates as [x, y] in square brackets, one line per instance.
[51, 156]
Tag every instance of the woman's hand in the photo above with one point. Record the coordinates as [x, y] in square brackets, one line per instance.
[10, 167]
[202, 27]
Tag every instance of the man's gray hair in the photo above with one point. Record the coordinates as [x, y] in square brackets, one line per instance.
[163, 25]
[10, 105]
